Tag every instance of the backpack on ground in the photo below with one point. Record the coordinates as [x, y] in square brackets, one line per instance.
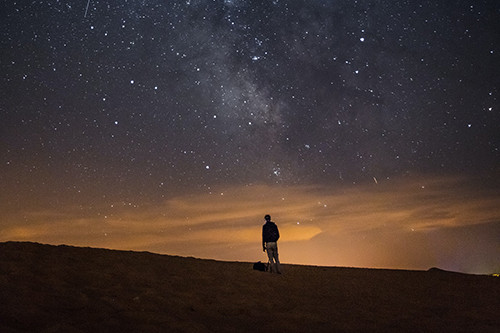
[259, 266]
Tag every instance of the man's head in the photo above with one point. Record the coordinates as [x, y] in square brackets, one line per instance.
[267, 217]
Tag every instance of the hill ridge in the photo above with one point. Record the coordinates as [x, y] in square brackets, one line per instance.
[66, 288]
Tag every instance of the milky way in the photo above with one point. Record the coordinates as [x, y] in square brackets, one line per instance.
[143, 101]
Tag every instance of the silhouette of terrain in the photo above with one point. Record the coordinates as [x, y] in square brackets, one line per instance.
[45, 288]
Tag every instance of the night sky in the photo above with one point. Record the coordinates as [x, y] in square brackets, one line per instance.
[369, 130]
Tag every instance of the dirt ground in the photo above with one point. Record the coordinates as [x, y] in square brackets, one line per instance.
[46, 288]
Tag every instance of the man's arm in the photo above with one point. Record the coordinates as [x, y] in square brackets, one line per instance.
[263, 243]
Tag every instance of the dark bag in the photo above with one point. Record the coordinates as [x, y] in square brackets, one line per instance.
[258, 266]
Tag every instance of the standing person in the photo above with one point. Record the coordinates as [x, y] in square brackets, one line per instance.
[270, 236]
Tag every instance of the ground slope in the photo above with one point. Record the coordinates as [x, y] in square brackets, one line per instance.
[47, 288]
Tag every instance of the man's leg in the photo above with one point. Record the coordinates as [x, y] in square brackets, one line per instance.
[277, 260]
[270, 256]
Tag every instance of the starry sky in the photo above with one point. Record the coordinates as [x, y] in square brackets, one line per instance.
[369, 130]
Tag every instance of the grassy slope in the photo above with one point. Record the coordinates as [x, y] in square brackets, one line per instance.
[69, 289]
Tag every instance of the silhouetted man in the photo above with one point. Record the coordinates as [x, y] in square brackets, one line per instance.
[270, 236]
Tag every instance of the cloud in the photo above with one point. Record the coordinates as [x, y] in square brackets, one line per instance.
[397, 223]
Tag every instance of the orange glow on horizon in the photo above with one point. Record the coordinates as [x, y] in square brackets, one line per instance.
[394, 224]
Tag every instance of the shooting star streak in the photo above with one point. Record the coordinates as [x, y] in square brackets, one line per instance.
[87, 9]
